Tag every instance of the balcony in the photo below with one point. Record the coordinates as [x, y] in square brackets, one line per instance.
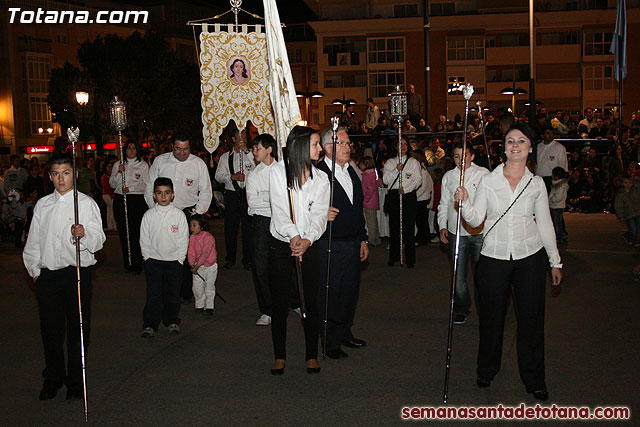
[31, 44]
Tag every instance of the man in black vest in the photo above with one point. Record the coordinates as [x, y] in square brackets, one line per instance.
[232, 169]
[348, 247]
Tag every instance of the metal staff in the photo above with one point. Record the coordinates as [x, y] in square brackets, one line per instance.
[484, 134]
[303, 309]
[73, 134]
[467, 92]
[334, 127]
[398, 110]
[119, 122]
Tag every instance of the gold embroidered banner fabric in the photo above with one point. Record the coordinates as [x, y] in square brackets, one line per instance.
[234, 77]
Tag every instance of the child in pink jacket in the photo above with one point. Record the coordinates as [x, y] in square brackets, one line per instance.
[370, 184]
[203, 259]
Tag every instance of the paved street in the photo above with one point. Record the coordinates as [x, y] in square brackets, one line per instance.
[216, 372]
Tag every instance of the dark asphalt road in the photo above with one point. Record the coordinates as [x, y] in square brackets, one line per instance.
[216, 371]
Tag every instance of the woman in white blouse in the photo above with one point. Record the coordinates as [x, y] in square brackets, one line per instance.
[310, 200]
[518, 230]
[136, 173]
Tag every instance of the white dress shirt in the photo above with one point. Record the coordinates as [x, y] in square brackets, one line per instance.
[310, 204]
[447, 209]
[191, 181]
[343, 177]
[164, 234]
[551, 156]
[242, 162]
[525, 229]
[257, 188]
[425, 191]
[136, 175]
[50, 243]
[411, 176]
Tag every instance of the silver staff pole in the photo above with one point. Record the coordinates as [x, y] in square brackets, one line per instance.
[484, 134]
[467, 92]
[334, 127]
[119, 122]
[398, 111]
[72, 134]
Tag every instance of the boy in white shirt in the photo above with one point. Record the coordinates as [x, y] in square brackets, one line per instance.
[164, 241]
[50, 258]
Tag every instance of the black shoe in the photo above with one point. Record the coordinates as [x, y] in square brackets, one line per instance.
[410, 266]
[208, 312]
[336, 354]
[200, 310]
[49, 390]
[75, 395]
[355, 343]
[482, 383]
[313, 370]
[247, 266]
[228, 264]
[279, 371]
[541, 395]
[459, 319]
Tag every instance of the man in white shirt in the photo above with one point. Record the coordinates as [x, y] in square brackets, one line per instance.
[373, 114]
[349, 247]
[191, 186]
[411, 180]
[264, 152]
[50, 258]
[232, 169]
[470, 238]
[550, 154]
[15, 176]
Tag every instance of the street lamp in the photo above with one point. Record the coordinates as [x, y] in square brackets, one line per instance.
[344, 102]
[513, 91]
[307, 99]
[82, 98]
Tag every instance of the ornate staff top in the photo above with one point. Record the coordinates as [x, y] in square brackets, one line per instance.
[73, 134]
[118, 114]
[334, 123]
[467, 91]
[398, 103]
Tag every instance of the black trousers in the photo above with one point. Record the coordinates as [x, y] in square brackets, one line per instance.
[186, 289]
[236, 213]
[163, 293]
[280, 274]
[260, 239]
[495, 280]
[57, 293]
[409, 208]
[344, 286]
[136, 207]
[422, 222]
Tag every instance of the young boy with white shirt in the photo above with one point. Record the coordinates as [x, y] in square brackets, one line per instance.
[164, 241]
[50, 258]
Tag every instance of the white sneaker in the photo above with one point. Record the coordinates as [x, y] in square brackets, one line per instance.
[435, 240]
[264, 320]
[297, 310]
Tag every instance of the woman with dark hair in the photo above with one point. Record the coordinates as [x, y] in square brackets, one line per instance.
[299, 187]
[238, 71]
[512, 259]
[136, 177]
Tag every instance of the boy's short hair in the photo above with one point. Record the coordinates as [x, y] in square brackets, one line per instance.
[60, 159]
[202, 220]
[267, 141]
[559, 172]
[469, 145]
[162, 181]
[627, 176]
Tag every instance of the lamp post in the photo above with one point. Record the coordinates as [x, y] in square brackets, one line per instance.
[399, 109]
[82, 98]
[307, 99]
[513, 91]
[118, 114]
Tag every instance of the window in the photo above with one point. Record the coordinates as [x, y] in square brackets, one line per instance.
[35, 81]
[454, 87]
[598, 77]
[404, 10]
[543, 39]
[339, 80]
[383, 82]
[442, 9]
[312, 55]
[597, 43]
[385, 51]
[465, 49]
[508, 73]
